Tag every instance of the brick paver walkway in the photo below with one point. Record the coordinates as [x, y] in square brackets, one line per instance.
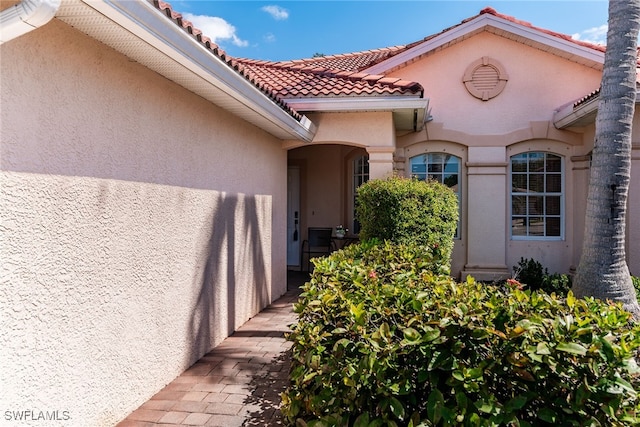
[238, 383]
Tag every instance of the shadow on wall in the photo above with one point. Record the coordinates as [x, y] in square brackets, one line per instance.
[234, 275]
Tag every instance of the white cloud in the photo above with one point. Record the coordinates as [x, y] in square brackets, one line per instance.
[269, 38]
[217, 29]
[278, 13]
[596, 35]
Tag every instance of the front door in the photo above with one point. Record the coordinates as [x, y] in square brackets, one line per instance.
[293, 216]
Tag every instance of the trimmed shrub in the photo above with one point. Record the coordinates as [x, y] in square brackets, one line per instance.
[408, 211]
[530, 272]
[382, 339]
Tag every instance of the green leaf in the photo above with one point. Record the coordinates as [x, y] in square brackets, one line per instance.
[435, 403]
[543, 348]
[457, 374]
[620, 385]
[548, 415]
[362, 420]
[515, 404]
[572, 347]
[488, 407]
[430, 334]
[411, 335]
[462, 401]
[396, 407]
[473, 373]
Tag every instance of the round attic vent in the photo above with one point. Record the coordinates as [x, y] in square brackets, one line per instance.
[485, 78]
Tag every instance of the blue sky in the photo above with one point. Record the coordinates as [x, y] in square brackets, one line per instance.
[282, 30]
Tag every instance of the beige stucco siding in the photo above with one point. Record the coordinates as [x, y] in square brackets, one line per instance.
[139, 225]
[538, 83]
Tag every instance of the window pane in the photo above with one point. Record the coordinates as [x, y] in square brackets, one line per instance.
[536, 183]
[553, 163]
[519, 205]
[536, 226]
[418, 168]
[554, 183]
[435, 167]
[553, 226]
[519, 163]
[536, 162]
[435, 158]
[536, 205]
[451, 164]
[451, 181]
[518, 227]
[553, 205]
[519, 183]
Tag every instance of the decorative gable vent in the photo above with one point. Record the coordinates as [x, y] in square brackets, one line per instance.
[485, 78]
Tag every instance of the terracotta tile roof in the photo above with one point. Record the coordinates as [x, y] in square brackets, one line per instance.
[302, 79]
[587, 98]
[362, 60]
[351, 61]
[566, 37]
[196, 33]
[334, 75]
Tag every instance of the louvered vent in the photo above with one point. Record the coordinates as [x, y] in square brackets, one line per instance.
[485, 78]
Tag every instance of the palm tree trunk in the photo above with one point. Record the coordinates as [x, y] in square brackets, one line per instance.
[603, 271]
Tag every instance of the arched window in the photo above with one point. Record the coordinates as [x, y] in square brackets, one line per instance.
[537, 196]
[441, 167]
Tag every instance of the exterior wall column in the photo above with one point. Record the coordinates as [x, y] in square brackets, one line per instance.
[487, 214]
[380, 161]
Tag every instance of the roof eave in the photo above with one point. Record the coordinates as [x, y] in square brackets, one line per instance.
[146, 22]
[581, 115]
[479, 23]
[410, 113]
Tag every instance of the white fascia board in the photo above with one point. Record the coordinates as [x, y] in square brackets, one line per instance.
[568, 115]
[477, 24]
[357, 104]
[145, 21]
[26, 16]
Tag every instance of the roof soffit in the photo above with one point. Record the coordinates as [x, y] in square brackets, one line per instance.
[510, 29]
[140, 31]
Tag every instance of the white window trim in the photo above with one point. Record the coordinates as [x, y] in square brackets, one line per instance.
[562, 200]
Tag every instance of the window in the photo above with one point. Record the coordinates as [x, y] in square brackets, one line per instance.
[441, 167]
[537, 198]
[360, 176]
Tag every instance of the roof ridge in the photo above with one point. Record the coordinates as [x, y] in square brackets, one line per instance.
[350, 54]
[567, 37]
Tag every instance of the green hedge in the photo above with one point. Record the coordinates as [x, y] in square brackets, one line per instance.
[383, 339]
[407, 211]
[530, 273]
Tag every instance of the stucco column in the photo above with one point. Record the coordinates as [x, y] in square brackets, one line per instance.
[380, 161]
[487, 214]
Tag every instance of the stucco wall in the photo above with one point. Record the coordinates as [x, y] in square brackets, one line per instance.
[538, 84]
[139, 225]
[516, 120]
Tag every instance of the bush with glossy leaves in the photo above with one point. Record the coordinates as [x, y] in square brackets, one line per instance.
[384, 339]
